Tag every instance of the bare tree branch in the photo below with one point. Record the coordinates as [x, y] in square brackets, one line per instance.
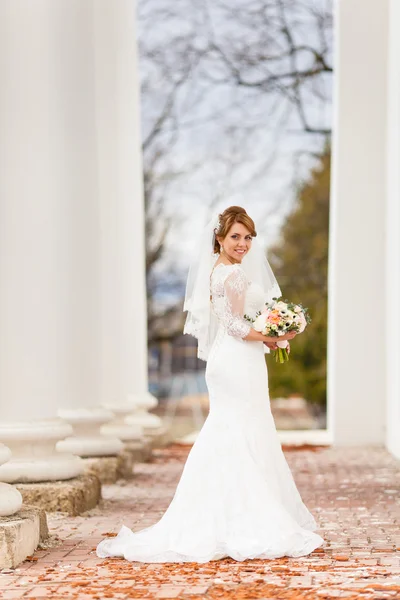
[265, 68]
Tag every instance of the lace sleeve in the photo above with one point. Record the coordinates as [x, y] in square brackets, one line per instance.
[234, 289]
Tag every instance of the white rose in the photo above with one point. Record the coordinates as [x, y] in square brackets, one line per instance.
[282, 344]
[259, 323]
[303, 322]
[297, 309]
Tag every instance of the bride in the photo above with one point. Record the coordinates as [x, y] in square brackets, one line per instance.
[236, 496]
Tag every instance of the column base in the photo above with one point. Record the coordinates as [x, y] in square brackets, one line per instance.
[34, 458]
[119, 427]
[20, 535]
[10, 500]
[86, 447]
[73, 497]
[151, 424]
[141, 404]
[5, 454]
[144, 399]
[88, 441]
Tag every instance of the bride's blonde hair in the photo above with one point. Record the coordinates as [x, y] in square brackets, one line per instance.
[231, 215]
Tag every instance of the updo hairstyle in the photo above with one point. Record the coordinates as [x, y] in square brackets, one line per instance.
[231, 215]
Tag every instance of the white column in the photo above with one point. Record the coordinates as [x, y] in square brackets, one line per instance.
[78, 65]
[49, 232]
[123, 287]
[357, 343]
[10, 497]
[34, 243]
[393, 232]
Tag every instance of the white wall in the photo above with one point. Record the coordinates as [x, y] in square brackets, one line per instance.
[357, 345]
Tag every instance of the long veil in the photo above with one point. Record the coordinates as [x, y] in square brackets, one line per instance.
[201, 321]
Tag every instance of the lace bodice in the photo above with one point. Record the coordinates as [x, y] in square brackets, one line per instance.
[233, 296]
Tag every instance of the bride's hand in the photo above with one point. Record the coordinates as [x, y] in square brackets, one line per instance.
[271, 345]
[288, 336]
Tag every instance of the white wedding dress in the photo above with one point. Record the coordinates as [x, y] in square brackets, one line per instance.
[236, 496]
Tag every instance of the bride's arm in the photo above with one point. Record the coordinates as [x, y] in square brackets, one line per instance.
[235, 286]
[236, 325]
[256, 336]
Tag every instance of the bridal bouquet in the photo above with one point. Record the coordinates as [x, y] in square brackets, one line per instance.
[277, 318]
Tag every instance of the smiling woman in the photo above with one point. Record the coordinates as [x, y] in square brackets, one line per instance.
[234, 233]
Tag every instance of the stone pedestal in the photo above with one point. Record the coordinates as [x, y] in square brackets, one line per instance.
[10, 498]
[111, 468]
[34, 458]
[72, 497]
[162, 437]
[140, 451]
[20, 535]
[87, 440]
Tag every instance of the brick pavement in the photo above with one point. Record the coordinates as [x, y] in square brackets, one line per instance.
[353, 493]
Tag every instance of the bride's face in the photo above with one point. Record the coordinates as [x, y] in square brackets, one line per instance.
[237, 242]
